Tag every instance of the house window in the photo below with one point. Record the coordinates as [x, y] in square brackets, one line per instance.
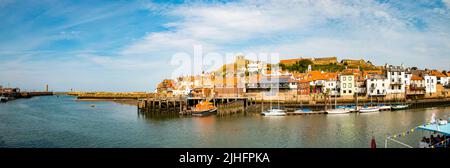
[349, 85]
[350, 91]
[345, 91]
[344, 78]
[392, 73]
[344, 85]
[349, 78]
[392, 87]
[382, 84]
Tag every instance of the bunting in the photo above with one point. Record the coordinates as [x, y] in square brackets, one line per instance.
[402, 134]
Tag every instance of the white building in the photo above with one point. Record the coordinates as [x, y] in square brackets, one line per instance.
[396, 77]
[331, 87]
[430, 84]
[446, 81]
[377, 85]
[408, 75]
[347, 85]
[255, 67]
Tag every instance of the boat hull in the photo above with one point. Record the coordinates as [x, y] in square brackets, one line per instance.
[385, 108]
[369, 110]
[204, 112]
[337, 111]
[274, 114]
[400, 107]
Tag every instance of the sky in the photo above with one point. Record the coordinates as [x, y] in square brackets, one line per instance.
[130, 45]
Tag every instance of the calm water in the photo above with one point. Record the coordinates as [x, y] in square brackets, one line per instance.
[65, 122]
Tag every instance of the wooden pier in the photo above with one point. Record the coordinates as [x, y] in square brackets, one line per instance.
[184, 105]
[235, 105]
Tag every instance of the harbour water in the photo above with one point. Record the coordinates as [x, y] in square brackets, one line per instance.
[55, 122]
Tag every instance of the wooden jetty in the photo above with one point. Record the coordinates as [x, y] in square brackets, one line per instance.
[183, 105]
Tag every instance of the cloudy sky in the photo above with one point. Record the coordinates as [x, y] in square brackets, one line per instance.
[130, 45]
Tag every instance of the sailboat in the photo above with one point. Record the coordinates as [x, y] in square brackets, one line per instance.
[367, 109]
[274, 111]
[337, 110]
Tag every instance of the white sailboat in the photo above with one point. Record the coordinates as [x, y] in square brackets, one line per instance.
[337, 110]
[274, 111]
[370, 109]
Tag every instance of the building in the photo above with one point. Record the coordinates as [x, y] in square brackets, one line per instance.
[396, 77]
[430, 84]
[303, 87]
[377, 85]
[408, 75]
[317, 61]
[330, 87]
[281, 82]
[417, 87]
[440, 77]
[356, 63]
[446, 80]
[255, 67]
[347, 84]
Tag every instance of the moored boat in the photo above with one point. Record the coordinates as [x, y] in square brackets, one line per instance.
[274, 112]
[204, 108]
[369, 109]
[302, 111]
[3, 99]
[337, 111]
[400, 107]
[384, 107]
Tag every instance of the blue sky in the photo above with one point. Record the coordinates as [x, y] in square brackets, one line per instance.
[128, 45]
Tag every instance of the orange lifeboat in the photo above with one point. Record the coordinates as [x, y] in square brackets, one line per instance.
[204, 108]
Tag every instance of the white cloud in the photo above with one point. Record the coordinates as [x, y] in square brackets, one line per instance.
[446, 2]
[358, 29]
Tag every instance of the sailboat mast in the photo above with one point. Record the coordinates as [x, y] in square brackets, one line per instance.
[335, 101]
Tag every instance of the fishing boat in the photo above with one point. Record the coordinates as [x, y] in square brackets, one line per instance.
[274, 112]
[400, 107]
[204, 108]
[369, 109]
